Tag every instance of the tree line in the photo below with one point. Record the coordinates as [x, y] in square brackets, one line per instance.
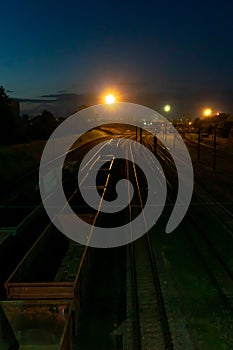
[17, 129]
[222, 121]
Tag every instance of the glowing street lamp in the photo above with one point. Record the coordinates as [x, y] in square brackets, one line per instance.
[110, 99]
[167, 108]
[207, 112]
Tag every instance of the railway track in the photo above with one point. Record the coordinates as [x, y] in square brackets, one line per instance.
[221, 230]
[210, 241]
[149, 304]
[202, 196]
[208, 227]
[53, 280]
[150, 326]
[150, 321]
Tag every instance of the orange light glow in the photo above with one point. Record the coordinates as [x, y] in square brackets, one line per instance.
[110, 98]
[207, 112]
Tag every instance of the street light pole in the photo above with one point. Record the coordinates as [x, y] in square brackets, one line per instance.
[140, 135]
[167, 109]
[155, 145]
[215, 148]
[199, 145]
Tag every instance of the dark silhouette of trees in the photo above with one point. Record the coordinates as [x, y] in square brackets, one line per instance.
[197, 123]
[223, 122]
[11, 126]
[3, 96]
[15, 129]
[226, 129]
[42, 126]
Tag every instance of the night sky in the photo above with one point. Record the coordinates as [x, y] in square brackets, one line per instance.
[59, 54]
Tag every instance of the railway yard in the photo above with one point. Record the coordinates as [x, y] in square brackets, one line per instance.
[162, 291]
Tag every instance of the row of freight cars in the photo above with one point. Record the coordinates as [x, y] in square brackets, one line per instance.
[42, 279]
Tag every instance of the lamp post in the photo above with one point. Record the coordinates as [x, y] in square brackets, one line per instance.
[208, 113]
[167, 109]
[215, 144]
[199, 145]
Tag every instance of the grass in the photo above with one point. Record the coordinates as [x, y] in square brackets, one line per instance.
[17, 160]
[224, 144]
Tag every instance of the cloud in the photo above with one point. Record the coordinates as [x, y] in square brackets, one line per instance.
[51, 96]
[183, 101]
[32, 100]
[62, 91]
[60, 104]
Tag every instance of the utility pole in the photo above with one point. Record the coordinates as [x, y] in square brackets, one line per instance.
[165, 131]
[215, 148]
[199, 145]
[174, 140]
[155, 145]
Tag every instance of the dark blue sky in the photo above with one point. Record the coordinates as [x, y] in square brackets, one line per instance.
[151, 52]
